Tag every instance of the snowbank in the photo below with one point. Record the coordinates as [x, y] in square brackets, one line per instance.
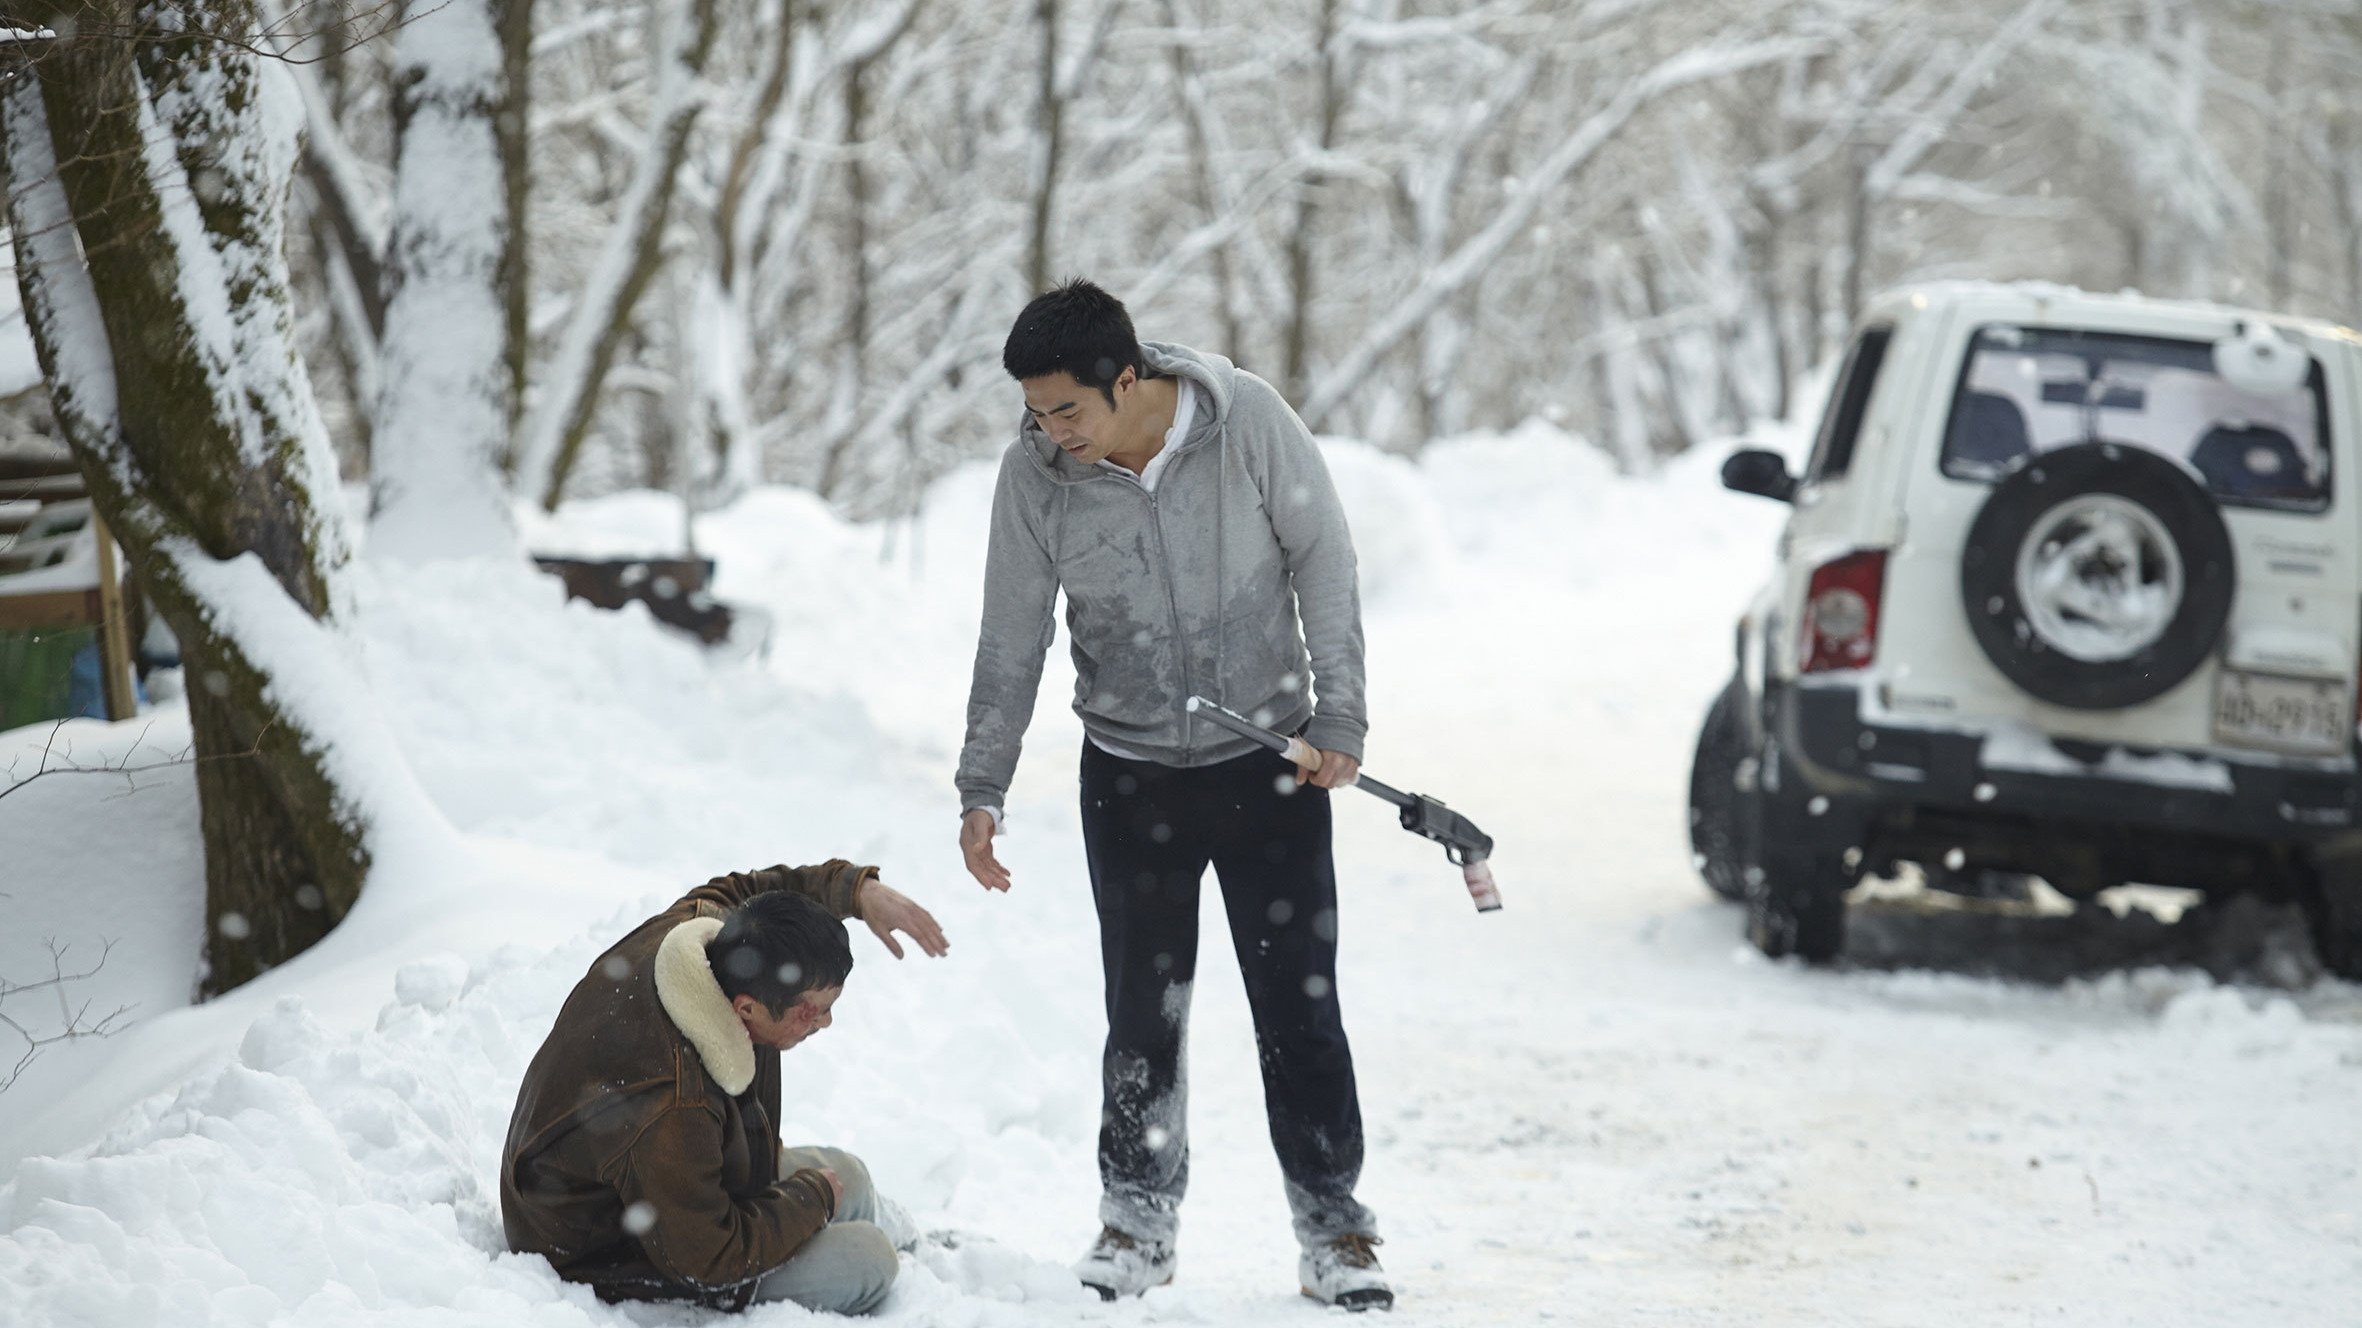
[1596, 1105]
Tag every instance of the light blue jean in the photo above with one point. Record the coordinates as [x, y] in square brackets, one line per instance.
[848, 1266]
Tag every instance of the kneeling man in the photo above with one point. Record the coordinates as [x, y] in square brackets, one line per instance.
[644, 1155]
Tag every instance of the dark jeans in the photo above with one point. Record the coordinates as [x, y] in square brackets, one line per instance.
[1150, 831]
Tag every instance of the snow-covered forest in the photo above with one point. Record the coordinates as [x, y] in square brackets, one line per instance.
[343, 310]
[1639, 220]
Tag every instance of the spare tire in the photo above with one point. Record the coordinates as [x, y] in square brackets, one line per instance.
[2097, 576]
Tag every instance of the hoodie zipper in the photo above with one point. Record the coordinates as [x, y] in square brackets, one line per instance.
[1164, 558]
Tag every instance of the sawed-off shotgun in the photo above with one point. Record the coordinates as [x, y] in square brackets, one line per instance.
[1467, 846]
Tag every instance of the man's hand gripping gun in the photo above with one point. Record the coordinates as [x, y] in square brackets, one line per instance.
[1467, 846]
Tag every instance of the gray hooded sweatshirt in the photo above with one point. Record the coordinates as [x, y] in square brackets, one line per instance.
[1197, 587]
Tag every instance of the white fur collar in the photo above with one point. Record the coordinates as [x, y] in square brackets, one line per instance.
[685, 985]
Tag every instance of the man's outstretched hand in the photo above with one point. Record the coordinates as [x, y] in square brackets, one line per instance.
[887, 910]
[976, 831]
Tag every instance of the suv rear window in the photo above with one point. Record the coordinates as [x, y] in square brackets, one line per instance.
[1849, 401]
[2027, 390]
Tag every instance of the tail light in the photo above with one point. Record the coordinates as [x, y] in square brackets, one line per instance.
[1841, 613]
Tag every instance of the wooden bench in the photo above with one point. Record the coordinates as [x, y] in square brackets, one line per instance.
[43, 493]
[674, 589]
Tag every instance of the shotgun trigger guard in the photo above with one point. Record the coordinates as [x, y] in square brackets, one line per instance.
[1462, 842]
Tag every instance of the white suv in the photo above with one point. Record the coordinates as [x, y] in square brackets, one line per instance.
[2072, 589]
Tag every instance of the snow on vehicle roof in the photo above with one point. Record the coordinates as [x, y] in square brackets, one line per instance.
[2055, 300]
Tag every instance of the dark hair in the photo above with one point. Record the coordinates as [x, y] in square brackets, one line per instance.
[1076, 328]
[777, 946]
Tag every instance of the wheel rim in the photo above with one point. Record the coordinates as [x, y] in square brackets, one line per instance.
[2100, 578]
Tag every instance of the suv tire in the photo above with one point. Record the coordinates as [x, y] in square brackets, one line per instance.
[1716, 802]
[2049, 494]
[2333, 907]
[1795, 879]
[1796, 906]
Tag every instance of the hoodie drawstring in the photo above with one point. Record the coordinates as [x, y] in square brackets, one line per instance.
[1221, 616]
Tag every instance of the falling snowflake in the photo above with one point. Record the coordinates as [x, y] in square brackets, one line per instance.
[640, 1218]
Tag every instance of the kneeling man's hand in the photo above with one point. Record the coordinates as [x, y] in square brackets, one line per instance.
[887, 910]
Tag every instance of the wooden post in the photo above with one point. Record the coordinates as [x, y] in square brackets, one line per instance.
[114, 634]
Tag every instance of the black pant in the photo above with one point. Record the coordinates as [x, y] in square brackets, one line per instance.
[1150, 830]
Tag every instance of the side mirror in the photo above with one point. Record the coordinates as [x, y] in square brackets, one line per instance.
[1761, 472]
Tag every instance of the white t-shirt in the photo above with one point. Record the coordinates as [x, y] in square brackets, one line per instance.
[1184, 413]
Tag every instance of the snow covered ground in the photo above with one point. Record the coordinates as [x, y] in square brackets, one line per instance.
[1594, 1107]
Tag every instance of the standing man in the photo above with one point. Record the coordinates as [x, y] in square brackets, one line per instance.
[1186, 514]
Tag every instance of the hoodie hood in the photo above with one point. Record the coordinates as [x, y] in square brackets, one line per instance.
[1212, 373]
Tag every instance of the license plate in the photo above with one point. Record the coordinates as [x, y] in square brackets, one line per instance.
[2307, 715]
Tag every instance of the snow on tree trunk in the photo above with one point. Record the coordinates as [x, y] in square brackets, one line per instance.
[561, 415]
[150, 262]
[443, 408]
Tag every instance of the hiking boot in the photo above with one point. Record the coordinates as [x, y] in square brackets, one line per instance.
[1118, 1264]
[1344, 1272]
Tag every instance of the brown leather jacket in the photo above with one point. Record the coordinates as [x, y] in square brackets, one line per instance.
[643, 1157]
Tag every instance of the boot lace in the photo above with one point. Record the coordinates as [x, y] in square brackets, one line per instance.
[1356, 1249]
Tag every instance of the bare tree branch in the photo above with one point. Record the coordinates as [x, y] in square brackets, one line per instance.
[73, 1019]
[186, 757]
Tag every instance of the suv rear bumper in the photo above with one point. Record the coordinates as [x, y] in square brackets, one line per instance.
[1908, 793]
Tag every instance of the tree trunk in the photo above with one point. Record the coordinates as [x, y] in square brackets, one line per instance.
[1296, 350]
[851, 352]
[1857, 238]
[1764, 249]
[447, 358]
[1189, 96]
[722, 422]
[1676, 428]
[512, 122]
[1050, 115]
[846, 406]
[168, 346]
[560, 419]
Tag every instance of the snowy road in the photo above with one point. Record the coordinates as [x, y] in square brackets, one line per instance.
[1593, 1107]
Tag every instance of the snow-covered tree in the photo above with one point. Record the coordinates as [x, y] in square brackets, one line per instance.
[444, 361]
[149, 152]
[1396, 206]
